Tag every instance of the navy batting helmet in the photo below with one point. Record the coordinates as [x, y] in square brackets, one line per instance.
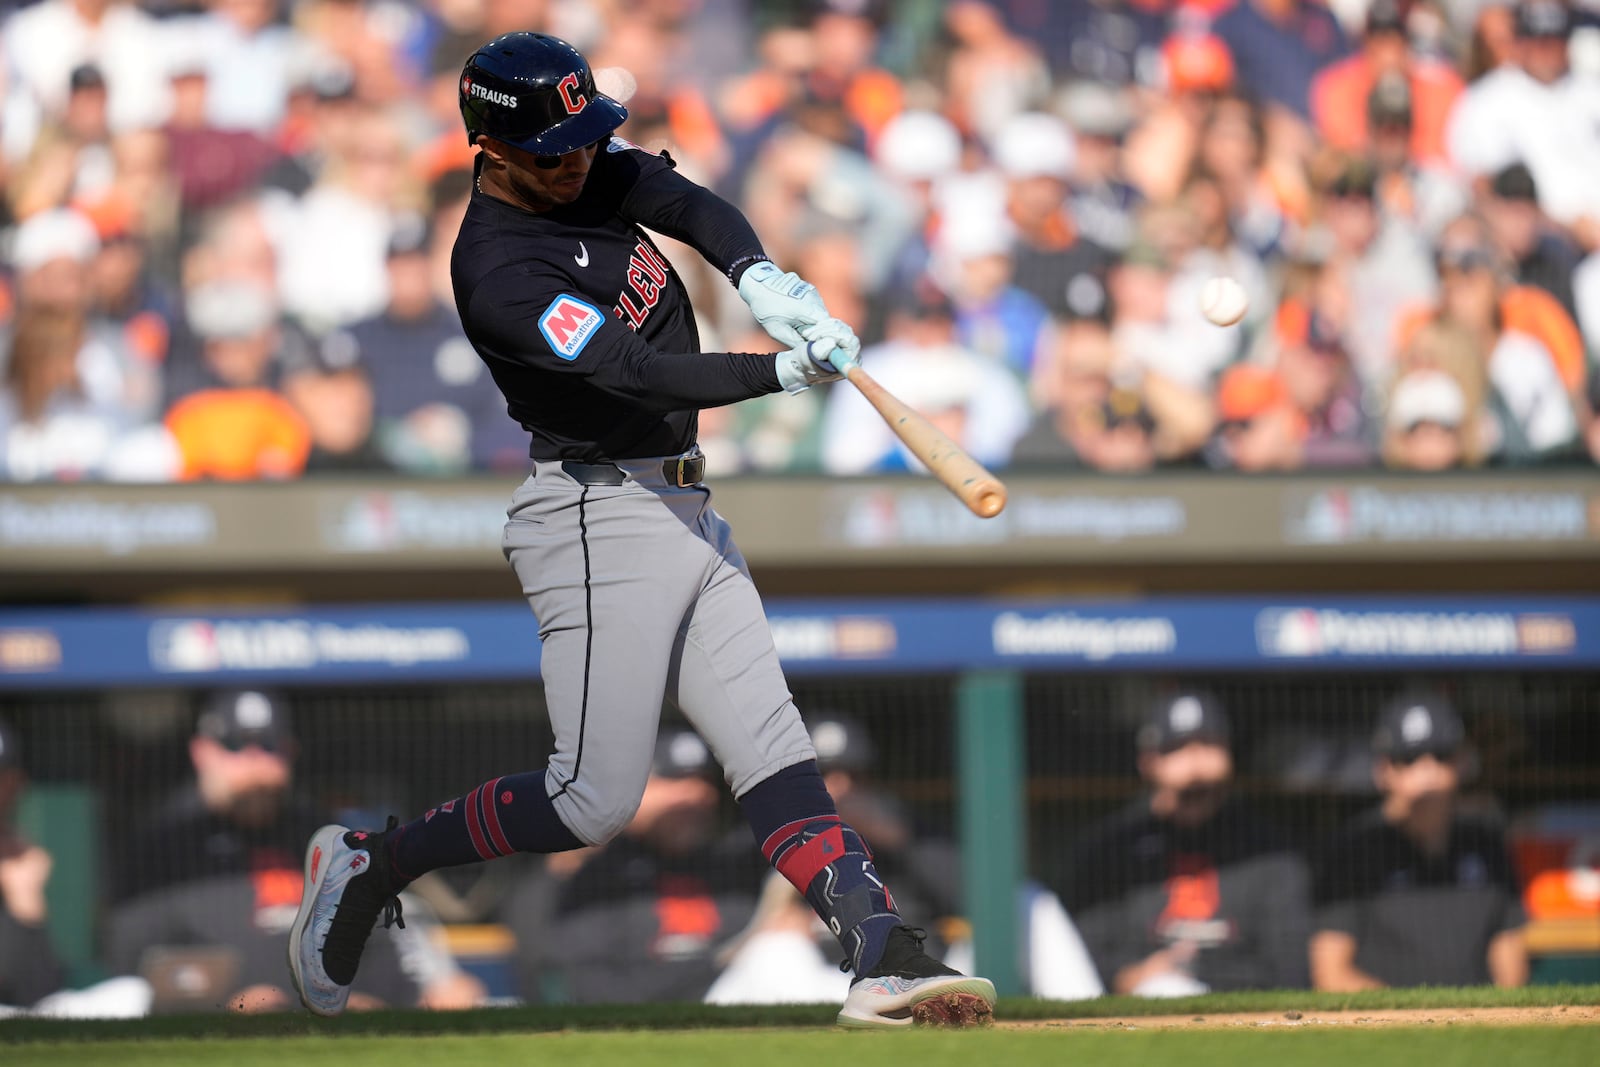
[535, 92]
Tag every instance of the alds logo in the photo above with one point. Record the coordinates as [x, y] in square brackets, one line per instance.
[494, 96]
[568, 325]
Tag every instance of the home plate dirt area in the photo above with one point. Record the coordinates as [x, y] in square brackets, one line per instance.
[1290, 1019]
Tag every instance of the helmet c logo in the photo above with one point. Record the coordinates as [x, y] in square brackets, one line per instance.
[570, 97]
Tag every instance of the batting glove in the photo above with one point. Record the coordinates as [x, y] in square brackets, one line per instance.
[839, 332]
[783, 303]
[813, 362]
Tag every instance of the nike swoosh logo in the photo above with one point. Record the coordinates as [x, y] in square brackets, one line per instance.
[583, 255]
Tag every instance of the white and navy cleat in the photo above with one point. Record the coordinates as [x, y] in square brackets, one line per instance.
[344, 894]
[910, 988]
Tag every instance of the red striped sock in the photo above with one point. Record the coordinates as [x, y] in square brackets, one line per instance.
[501, 816]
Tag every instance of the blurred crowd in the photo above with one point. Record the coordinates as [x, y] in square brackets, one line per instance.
[227, 227]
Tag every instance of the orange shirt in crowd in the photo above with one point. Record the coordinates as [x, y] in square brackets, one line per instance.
[1339, 105]
[1533, 311]
[238, 434]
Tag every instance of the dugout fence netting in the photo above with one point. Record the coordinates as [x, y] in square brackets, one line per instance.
[102, 762]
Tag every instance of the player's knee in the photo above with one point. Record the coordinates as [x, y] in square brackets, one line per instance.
[597, 818]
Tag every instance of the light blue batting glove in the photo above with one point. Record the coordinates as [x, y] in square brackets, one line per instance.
[839, 332]
[810, 364]
[782, 302]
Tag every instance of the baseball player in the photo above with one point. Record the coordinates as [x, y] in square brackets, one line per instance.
[638, 587]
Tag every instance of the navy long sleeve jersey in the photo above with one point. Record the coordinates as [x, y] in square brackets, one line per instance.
[584, 324]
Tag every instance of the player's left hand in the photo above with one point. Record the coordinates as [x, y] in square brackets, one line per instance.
[782, 302]
[811, 363]
[838, 333]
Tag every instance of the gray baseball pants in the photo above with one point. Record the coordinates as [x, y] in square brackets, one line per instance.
[641, 595]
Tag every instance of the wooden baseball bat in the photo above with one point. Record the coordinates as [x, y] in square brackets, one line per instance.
[982, 493]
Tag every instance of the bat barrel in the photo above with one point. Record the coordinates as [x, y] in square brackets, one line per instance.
[989, 500]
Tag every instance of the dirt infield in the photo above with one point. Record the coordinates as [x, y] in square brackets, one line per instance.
[1509, 1016]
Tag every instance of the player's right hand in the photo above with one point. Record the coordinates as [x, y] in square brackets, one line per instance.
[810, 364]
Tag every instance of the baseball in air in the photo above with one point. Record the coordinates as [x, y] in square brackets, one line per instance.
[1223, 301]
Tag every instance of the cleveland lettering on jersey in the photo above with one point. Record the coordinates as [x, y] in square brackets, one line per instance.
[647, 275]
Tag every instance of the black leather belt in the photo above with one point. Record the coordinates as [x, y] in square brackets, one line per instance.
[682, 471]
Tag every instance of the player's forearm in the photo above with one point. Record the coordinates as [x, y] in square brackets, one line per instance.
[1508, 959]
[675, 206]
[1333, 964]
[678, 381]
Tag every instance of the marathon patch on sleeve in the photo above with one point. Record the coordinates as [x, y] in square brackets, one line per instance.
[569, 324]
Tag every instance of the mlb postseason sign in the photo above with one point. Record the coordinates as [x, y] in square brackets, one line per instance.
[471, 641]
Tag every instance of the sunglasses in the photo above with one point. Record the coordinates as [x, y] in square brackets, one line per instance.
[238, 743]
[1406, 759]
[552, 162]
[1465, 261]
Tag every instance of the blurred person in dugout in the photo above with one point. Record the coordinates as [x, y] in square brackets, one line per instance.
[1418, 891]
[1188, 889]
[205, 892]
[975, 400]
[29, 968]
[641, 918]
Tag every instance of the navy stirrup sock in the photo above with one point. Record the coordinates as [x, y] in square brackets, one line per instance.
[501, 816]
[802, 836]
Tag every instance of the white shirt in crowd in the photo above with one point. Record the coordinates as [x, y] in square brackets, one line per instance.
[247, 75]
[1508, 117]
[43, 44]
[325, 290]
[1525, 375]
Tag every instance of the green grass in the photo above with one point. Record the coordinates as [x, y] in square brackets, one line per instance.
[1458, 1047]
[663, 1017]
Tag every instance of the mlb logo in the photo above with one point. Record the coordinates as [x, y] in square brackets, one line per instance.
[184, 645]
[568, 324]
[1291, 632]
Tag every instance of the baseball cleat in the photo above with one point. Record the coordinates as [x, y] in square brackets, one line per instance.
[345, 892]
[910, 988]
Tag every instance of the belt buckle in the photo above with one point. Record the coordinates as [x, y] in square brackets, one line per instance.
[684, 463]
